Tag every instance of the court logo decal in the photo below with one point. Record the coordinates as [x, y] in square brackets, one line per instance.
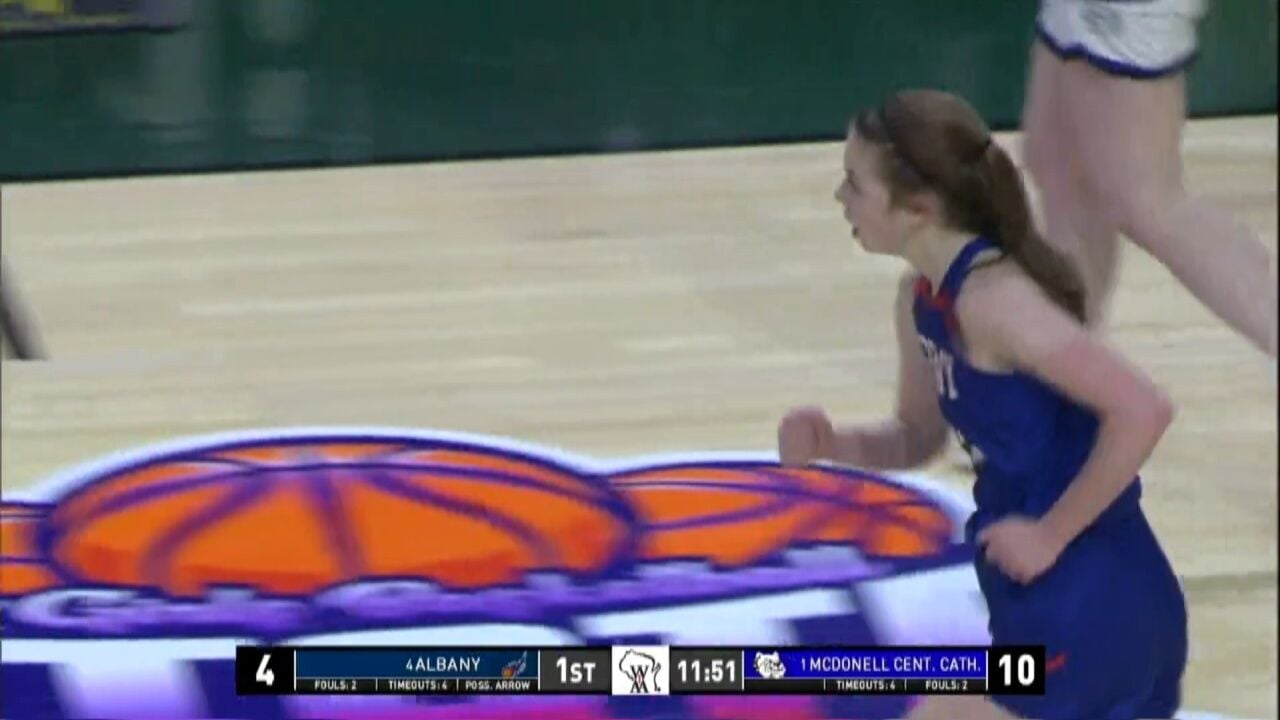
[389, 536]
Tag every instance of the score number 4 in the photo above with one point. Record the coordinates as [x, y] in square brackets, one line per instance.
[265, 675]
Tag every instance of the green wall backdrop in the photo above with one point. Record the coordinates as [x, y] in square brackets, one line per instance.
[264, 83]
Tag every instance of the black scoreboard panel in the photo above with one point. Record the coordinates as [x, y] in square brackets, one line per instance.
[627, 670]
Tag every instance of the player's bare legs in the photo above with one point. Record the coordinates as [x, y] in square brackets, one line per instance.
[959, 708]
[1100, 259]
[1046, 151]
[1128, 146]
[1070, 221]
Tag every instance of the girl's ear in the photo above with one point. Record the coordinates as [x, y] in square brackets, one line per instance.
[925, 207]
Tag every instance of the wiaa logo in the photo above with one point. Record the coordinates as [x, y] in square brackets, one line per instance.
[640, 670]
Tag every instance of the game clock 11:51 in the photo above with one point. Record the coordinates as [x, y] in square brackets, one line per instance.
[706, 670]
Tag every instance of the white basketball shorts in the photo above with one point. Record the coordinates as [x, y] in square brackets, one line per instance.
[1132, 38]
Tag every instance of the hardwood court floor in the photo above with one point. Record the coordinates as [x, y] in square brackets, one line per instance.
[608, 305]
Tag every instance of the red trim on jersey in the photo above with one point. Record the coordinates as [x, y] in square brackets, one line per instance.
[943, 301]
[923, 288]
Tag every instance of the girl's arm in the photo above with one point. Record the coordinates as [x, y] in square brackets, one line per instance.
[917, 431]
[1006, 315]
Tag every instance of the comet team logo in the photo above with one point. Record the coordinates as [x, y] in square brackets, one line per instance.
[516, 667]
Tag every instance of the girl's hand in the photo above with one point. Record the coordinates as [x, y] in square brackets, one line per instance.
[1021, 547]
[804, 435]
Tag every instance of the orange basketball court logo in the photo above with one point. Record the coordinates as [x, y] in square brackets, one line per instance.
[367, 536]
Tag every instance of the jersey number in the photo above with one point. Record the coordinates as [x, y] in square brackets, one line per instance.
[943, 368]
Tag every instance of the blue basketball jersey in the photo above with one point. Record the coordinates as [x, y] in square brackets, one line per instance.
[1109, 611]
[1027, 440]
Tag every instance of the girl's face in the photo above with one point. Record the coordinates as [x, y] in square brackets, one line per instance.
[879, 226]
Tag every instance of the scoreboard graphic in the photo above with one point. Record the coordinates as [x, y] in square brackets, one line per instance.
[639, 670]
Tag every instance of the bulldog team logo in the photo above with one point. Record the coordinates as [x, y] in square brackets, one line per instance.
[373, 536]
[770, 665]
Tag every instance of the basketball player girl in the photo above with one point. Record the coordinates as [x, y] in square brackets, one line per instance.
[1105, 108]
[992, 344]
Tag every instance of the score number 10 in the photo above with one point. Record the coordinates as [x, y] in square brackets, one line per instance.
[1026, 669]
[1017, 670]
